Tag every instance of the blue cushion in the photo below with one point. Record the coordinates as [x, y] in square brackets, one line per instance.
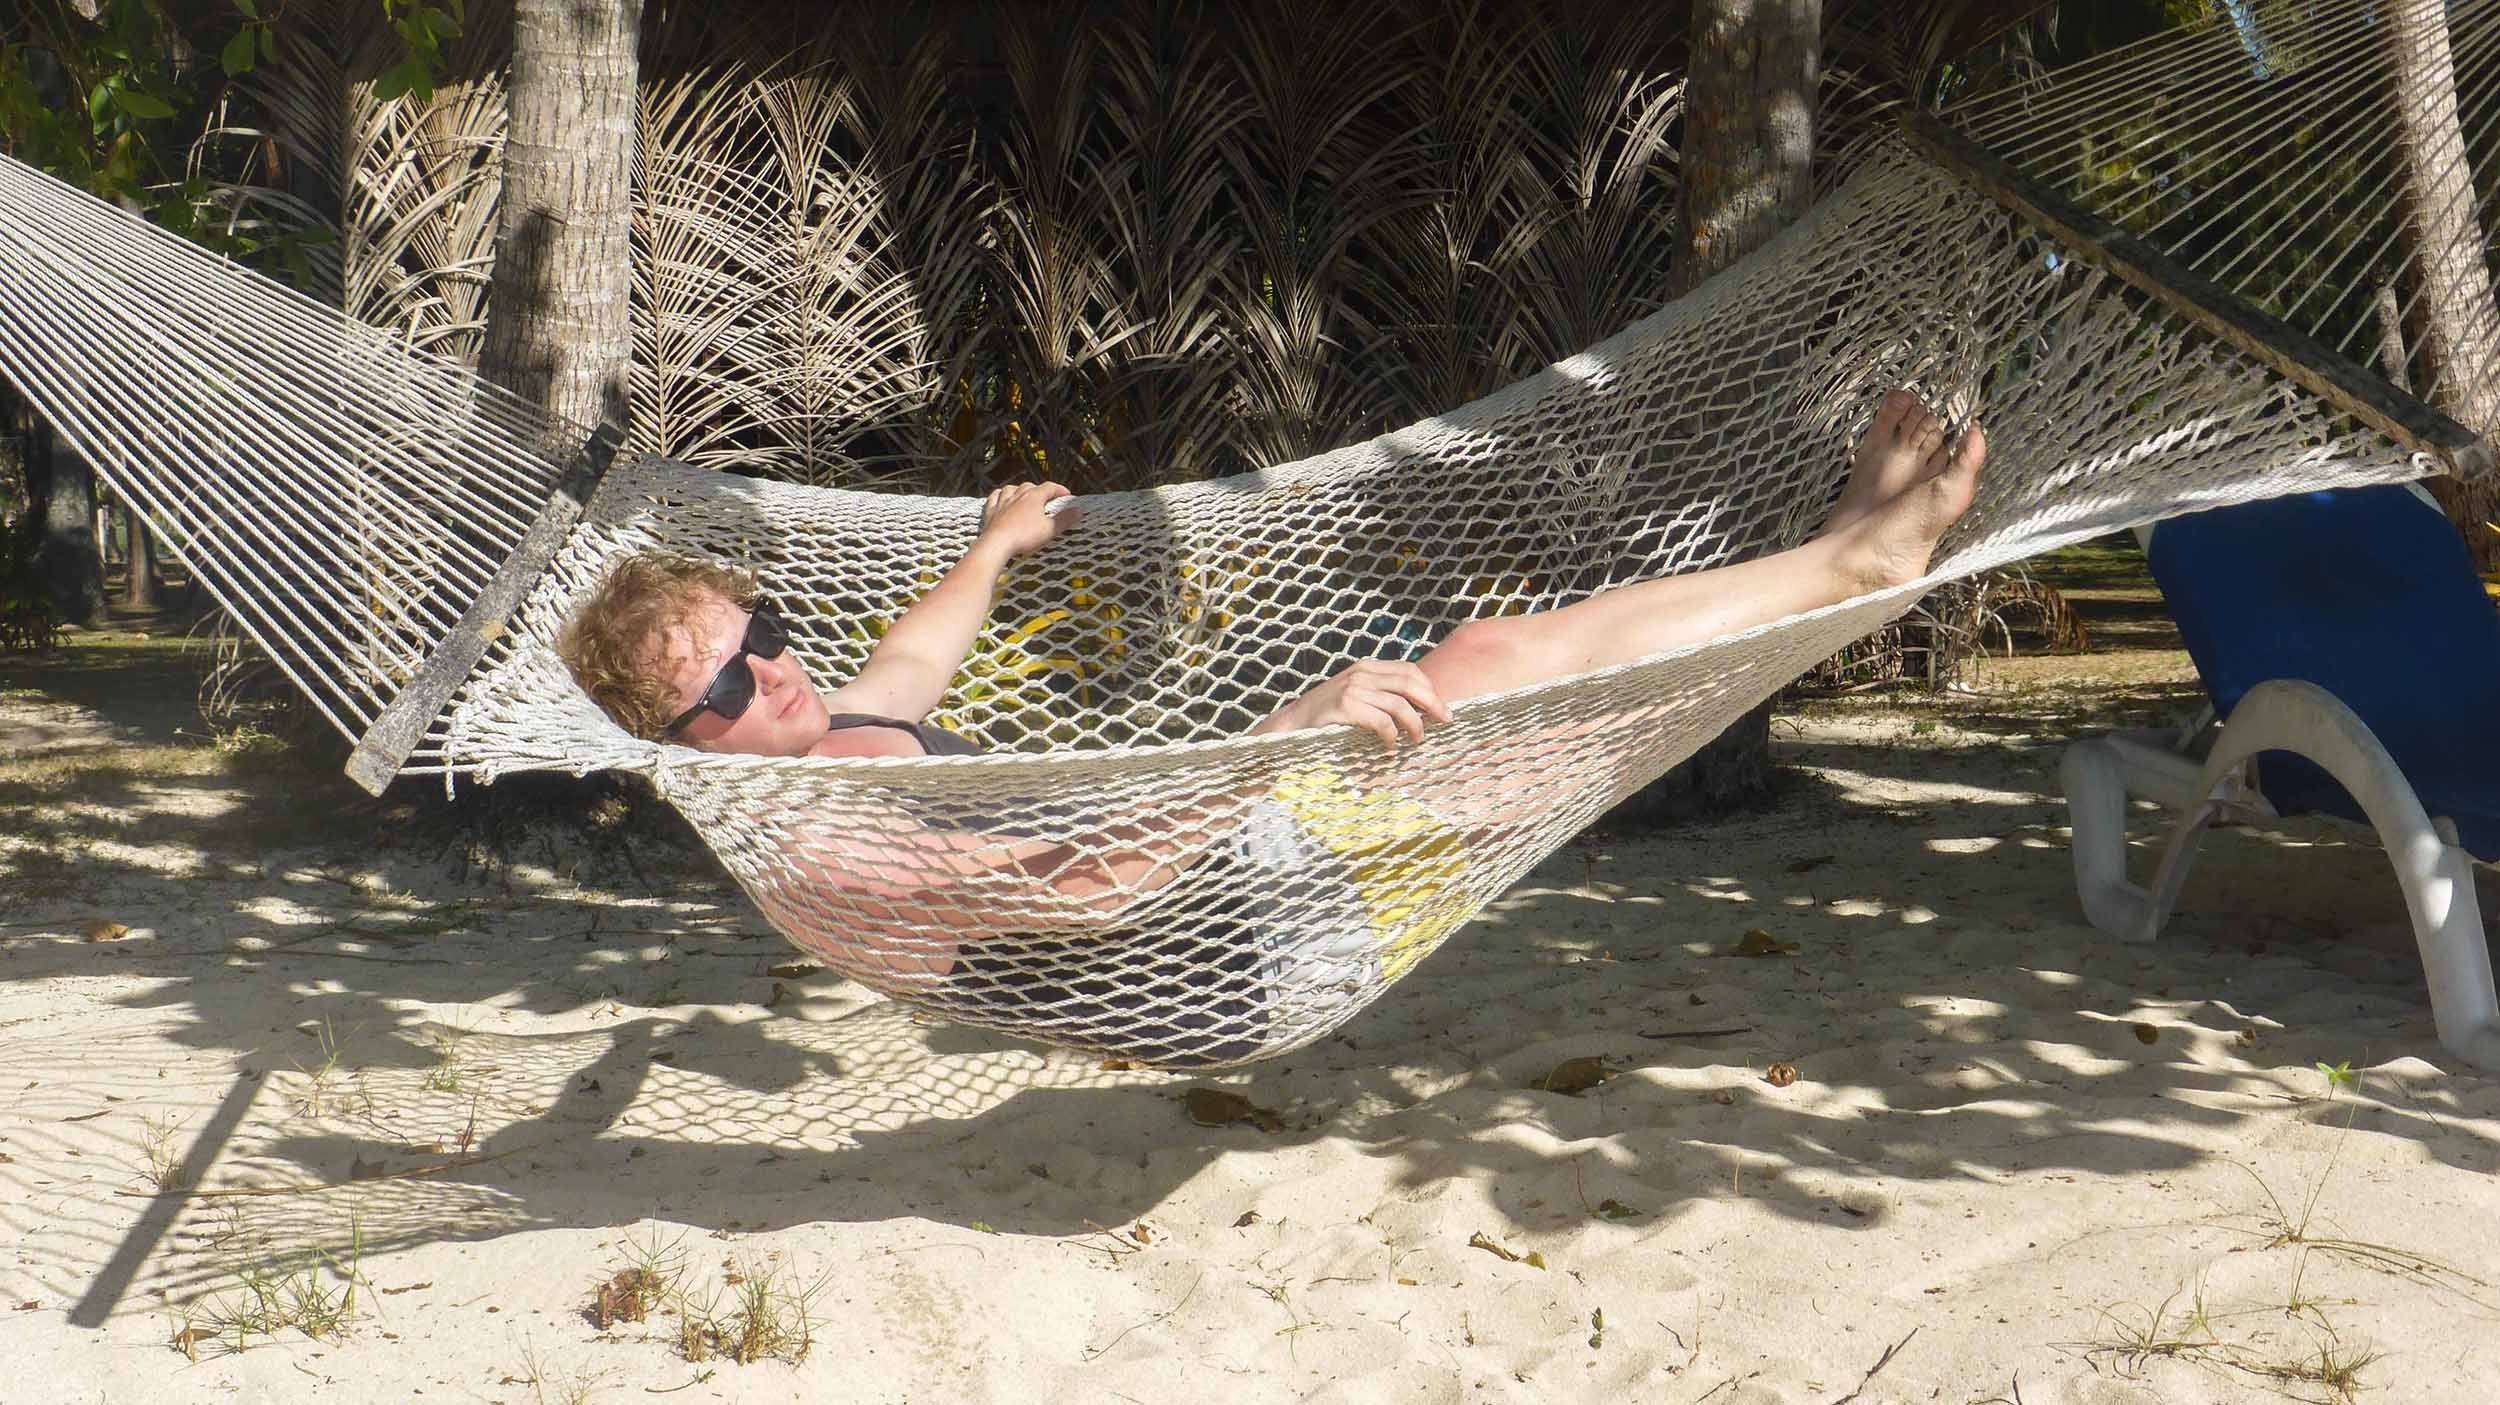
[2368, 593]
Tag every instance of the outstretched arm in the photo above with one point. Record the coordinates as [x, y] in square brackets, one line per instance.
[924, 648]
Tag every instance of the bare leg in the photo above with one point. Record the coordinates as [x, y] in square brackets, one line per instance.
[1866, 547]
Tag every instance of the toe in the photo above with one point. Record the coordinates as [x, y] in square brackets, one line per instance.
[1971, 452]
[1893, 413]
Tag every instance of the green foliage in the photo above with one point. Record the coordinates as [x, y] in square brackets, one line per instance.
[103, 102]
[423, 30]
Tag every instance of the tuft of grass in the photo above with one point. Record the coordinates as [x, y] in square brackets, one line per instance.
[325, 1090]
[770, 1317]
[649, 1277]
[548, 1387]
[2331, 1368]
[2281, 1227]
[164, 1162]
[766, 1314]
[450, 1068]
[315, 1296]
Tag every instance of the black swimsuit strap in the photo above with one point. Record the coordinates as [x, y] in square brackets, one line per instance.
[937, 741]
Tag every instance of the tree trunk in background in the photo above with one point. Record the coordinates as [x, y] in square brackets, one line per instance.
[60, 543]
[1747, 172]
[142, 588]
[557, 327]
[2457, 321]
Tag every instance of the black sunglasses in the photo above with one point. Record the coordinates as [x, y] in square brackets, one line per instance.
[732, 690]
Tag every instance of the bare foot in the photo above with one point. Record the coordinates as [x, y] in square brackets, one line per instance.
[1890, 542]
[1890, 457]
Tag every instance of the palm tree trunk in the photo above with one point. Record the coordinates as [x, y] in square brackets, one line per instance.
[2457, 320]
[143, 589]
[1747, 172]
[557, 326]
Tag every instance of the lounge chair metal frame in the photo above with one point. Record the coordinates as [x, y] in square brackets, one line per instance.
[2102, 774]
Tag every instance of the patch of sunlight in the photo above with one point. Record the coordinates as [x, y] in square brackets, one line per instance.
[2033, 841]
[2074, 1058]
[2048, 977]
[1977, 844]
[1961, 1007]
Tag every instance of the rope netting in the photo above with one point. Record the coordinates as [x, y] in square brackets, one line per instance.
[343, 498]
[2317, 160]
[1122, 662]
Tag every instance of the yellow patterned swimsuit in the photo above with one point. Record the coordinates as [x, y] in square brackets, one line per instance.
[1355, 887]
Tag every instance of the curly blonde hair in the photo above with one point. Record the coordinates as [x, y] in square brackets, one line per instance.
[611, 640]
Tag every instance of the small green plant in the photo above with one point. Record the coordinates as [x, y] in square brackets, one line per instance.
[2338, 1076]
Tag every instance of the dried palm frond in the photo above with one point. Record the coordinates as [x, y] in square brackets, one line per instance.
[1317, 158]
[773, 327]
[1060, 317]
[1942, 642]
[917, 157]
[1440, 306]
[1605, 100]
[1169, 108]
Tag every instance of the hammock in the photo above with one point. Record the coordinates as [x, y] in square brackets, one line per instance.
[368, 514]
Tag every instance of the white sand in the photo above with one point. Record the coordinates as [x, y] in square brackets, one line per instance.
[1981, 1163]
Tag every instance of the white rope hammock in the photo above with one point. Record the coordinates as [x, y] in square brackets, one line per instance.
[349, 500]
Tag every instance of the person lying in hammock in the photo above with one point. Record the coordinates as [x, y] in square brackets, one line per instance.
[686, 650]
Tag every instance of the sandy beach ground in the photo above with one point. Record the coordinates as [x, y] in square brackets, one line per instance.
[264, 1042]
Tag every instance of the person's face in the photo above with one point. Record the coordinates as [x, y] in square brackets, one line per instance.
[785, 718]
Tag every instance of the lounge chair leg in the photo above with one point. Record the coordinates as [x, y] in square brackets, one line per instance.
[2102, 774]
[2437, 876]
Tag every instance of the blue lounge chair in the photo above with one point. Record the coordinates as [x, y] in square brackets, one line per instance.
[2353, 663]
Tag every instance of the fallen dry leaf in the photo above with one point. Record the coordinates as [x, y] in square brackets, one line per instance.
[1780, 1075]
[100, 930]
[1758, 942]
[1724, 1097]
[2147, 1034]
[1481, 1240]
[1575, 1076]
[1219, 1107]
